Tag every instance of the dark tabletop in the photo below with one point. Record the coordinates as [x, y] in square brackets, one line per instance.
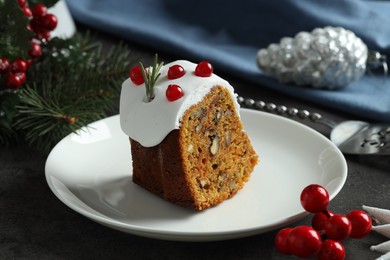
[34, 224]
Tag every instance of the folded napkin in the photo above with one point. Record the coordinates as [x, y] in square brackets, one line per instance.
[229, 34]
[382, 216]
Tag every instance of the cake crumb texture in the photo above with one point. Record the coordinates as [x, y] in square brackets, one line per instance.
[204, 162]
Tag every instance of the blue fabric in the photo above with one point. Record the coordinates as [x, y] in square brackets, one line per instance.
[229, 34]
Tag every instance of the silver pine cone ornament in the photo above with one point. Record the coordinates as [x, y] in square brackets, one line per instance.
[329, 57]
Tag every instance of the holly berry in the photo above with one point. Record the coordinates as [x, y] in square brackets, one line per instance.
[15, 80]
[175, 72]
[320, 219]
[281, 241]
[27, 11]
[35, 51]
[4, 65]
[36, 25]
[361, 223]
[304, 241]
[338, 227]
[22, 3]
[204, 69]
[314, 198]
[29, 62]
[174, 92]
[49, 22]
[39, 10]
[331, 250]
[136, 75]
[43, 36]
[18, 65]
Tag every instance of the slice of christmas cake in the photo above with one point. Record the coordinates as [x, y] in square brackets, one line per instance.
[188, 145]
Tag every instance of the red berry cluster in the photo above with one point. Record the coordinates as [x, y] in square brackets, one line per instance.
[173, 92]
[15, 72]
[41, 23]
[324, 237]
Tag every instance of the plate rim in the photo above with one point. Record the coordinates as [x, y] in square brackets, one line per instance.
[188, 235]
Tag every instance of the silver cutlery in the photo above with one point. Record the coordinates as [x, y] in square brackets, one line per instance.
[352, 137]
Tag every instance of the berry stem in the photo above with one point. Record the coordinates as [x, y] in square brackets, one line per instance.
[326, 213]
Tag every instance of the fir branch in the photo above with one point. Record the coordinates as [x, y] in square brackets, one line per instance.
[151, 78]
[72, 88]
[41, 120]
[70, 85]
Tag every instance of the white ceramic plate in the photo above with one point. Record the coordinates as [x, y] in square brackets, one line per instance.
[91, 173]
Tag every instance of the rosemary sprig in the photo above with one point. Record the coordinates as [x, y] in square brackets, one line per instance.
[151, 78]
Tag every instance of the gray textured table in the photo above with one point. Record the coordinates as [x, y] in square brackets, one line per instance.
[34, 224]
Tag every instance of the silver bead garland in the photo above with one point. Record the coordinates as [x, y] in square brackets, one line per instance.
[278, 109]
[329, 57]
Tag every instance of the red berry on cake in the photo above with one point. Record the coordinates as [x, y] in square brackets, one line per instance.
[204, 69]
[174, 92]
[136, 75]
[175, 72]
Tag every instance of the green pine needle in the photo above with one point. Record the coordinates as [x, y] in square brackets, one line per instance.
[151, 78]
[72, 85]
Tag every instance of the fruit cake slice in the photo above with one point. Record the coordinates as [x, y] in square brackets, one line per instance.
[188, 145]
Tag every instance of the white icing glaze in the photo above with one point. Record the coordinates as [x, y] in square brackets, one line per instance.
[149, 123]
